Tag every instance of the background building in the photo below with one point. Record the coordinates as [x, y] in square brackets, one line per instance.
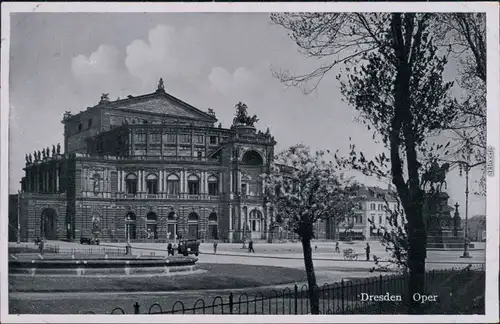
[476, 228]
[148, 167]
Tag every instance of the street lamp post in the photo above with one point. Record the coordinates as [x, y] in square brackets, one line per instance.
[18, 217]
[466, 243]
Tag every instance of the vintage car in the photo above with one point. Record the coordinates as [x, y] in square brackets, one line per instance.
[187, 247]
[89, 241]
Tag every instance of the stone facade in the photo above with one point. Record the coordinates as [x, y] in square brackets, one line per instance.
[143, 168]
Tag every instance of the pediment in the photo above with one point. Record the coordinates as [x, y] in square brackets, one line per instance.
[163, 104]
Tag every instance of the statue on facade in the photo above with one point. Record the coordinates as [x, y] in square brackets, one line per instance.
[436, 175]
[211, 112]
[35, 156]
[242, 117]
[43, 154]
[30, 158]
[27, 159]
[220, 125]
[161, 85]
[67, 114]
[53, 150]
[104, 98]
[47, 152]
[58, 149]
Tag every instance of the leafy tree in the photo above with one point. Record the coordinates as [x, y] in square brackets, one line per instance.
[393, 78]
[303, 188]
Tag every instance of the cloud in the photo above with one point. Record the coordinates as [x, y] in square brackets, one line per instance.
[167, 53]
[103, 61]
[150, 59]
[241, 82]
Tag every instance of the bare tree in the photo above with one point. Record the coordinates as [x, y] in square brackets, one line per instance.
[304, 188]
[465, 35]
[394, 80]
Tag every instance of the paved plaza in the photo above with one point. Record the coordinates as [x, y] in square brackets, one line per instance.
[330, 267]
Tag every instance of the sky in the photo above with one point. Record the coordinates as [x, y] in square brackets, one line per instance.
[64, 61]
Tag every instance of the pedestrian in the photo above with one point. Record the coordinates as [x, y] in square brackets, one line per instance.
[250, 247]
[367, 248]
[170, 249]
[40, 246]
[315, 248]
[215, 247]
[337, 249]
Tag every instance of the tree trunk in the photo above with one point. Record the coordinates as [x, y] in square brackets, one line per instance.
[416, 261]
[402, 124]
[311, 276]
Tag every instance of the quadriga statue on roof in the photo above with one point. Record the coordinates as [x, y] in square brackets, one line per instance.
[242, 117]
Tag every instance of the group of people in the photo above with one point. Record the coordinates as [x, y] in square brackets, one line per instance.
[171, 248]
[367, 250]
[250, 247]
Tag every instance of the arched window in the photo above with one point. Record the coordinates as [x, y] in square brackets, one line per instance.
[151, 216]
[193, 185]
[193, 217]
[172, 230]
[131, 216]
[152, 226]
[212, 217]
[152, 184]
[173, 185]
[96, 179]
[212, 226]
[193, 225]
[131, 183]
[252, 158]
[130, 227]
[245, 182]
[255, 220]
[171, 216]
[213, 186]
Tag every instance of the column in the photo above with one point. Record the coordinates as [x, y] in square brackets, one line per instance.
[161, 143]
[160, 181]
[124, 181]
[220, 182]
[230, 181]
[147, 142]
[132, 142]
[238, 183]
[141, 181]
[119, 180]
[58, 170]
[230, 219]
[46, 180]
[205, 182]
[268, 218]
[35, 176]
[182, 181]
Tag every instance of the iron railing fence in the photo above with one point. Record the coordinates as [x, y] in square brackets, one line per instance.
[344, 297]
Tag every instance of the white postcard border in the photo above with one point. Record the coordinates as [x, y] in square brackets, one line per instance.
[493, 100]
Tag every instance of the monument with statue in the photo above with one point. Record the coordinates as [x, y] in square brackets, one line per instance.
[444, 231]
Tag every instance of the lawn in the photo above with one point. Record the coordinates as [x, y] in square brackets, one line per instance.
[217, 276]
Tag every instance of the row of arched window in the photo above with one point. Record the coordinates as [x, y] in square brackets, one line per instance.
[172, 184]
[172, 228]
[373, 206]
[171, 217]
